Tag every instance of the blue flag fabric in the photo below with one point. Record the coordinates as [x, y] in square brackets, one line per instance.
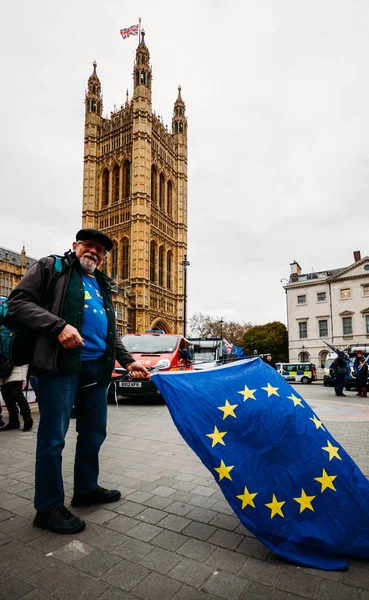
[287, 479]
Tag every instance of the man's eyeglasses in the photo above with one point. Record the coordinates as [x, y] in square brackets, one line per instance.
[89, 245]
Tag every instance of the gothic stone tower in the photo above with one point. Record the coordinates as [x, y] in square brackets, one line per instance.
[135, 190]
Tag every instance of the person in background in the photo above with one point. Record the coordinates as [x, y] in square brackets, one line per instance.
[341, 371]
[12, 393]
[74, 356]
[362, 378]
[268, 359]
[356, 368]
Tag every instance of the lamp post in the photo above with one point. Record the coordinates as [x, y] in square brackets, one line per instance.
[221, 327]
[185, 263]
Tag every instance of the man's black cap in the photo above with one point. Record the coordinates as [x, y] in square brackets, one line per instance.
[95, 236]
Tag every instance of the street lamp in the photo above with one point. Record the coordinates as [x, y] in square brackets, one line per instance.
[221, 327]
[185, 263]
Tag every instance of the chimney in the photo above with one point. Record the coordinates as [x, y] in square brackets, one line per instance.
[295, 268]
[357, 255]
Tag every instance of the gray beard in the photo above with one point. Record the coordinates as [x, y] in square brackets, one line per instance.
[87, 264]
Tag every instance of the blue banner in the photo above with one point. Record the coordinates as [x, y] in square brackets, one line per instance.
[287, 479]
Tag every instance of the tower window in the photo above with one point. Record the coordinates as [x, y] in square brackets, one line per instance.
[169, 270]
[154, 185]
[169, 199]
[143, 59]
[162, 191]
[93, 106]
[180, 127]
[105, 188]
[94, 89]
[137, 78]
[161, 265]
[125, 259]
[114, 262]
[152, 261]
[116, 183]
[126, 179]
[176, 127]
[143, 78]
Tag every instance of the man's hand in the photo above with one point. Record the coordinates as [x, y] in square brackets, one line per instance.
[70, 338]
[137, 370]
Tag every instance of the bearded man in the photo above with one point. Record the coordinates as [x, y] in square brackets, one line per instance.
[73, 318]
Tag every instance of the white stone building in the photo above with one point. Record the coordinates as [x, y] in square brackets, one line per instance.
[328, 305]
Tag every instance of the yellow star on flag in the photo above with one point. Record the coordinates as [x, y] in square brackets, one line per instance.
[271, 390]
[247, 394]
[275, 507]
[223, 471]
[332, 451]
[247, 498]
[217, 437]
[296, 401]
[316, 422]
[326, 481]
[228, 409]
[305, 501]
[87, 295]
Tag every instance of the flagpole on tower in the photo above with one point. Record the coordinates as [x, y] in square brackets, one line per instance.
[139, 30]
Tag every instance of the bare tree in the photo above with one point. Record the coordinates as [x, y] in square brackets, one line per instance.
[205, 326]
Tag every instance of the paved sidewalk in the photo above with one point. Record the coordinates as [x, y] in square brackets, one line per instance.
[172, 536]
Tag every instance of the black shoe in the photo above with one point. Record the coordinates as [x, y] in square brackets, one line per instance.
[28, 424]
[98, 496]
[10, 426]
[59, 520]
[2, 423]
[343, 394]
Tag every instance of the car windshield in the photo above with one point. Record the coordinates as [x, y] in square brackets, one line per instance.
[150, 344]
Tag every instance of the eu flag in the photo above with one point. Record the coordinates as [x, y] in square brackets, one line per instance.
[287, 479]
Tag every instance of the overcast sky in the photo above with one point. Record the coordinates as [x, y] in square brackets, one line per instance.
[277, 97]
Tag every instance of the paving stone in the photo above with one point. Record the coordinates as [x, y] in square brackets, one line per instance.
[163, 491]
[225, 521]
[169, 540]
[130, 509]
[100, 516]
[156, 586]
[27, 534]
[225, 539]
[257, 591]
[225, 585]
[204, 515]
[138, 496]
[160, 560]
[15, 554]
[121, 524]
[49, 542]
[109, 540]
[158, 502]
[200, 531]
[226, 560]
[4, 539]
[332, 590]
[190, 593]
[179, 508]
[243, 531]
[83, 587]
[97, 562]
[174, 523]
[191, 572]
[12, 588]
[196, 549]
[202, 501]
[295, 581]
[72, 551]
[152, 515]
[252, 547]
[144, 532]
[114, 594]
[5, 514]
[54, 577]
[260, 571]
[13, 524]
[36, 595]
[125, 575]
[181, 496]
[133, 550]
[202, 490]
[356, 577]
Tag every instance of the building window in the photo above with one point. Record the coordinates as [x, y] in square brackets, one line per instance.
[169, 200]
[125, 259]
[345, 293]
[119, 311]
[162, 191]
[152, 261]
[154, 185]
[365, 290]
[347, 325]
[6, 285]
[169, 270]
[114, 262]
[321, 296]
[323, 328]
[301, 299]
[105, 188]
[126, 179]
[161, 265]
[304, 357]
[367, 323]
[303, 330]
[116, 184]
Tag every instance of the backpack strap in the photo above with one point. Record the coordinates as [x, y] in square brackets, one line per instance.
[57, 271]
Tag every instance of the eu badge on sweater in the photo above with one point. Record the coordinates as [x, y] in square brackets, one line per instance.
[287, 479]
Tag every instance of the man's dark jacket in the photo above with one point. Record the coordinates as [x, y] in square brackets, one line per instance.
[63, 297]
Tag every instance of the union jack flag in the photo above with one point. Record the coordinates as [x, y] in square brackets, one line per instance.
[228, 346]
[133, 30]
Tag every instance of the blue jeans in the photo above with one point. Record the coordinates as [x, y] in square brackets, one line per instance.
[56, 395]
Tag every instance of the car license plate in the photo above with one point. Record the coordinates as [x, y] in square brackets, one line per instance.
[130, 384]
